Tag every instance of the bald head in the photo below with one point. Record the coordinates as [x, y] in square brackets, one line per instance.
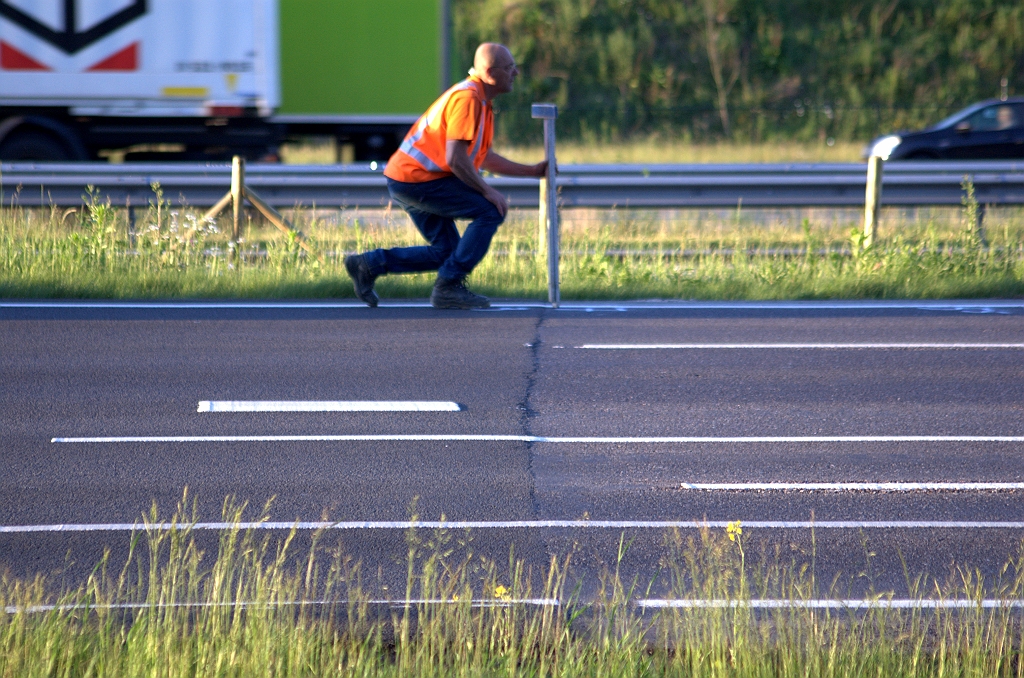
[496, 67]
[488, 54]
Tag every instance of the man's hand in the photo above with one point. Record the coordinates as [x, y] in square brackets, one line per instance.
[498, 200]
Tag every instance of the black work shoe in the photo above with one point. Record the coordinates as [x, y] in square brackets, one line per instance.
[362, 279]
[453, 294]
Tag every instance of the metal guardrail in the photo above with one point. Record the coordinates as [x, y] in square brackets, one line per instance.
[626, 186]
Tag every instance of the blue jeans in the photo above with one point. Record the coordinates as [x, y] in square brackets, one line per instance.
[434, 206]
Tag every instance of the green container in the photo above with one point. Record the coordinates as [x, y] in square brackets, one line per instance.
[362, 57]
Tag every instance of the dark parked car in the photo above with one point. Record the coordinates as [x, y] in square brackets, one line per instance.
[988, 130]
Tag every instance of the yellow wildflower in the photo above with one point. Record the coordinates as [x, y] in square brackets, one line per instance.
[734, 529]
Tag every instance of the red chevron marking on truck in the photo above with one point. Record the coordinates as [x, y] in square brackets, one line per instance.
[125, 60]
[13, 59]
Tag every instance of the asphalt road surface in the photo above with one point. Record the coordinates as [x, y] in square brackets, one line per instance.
[576, 427]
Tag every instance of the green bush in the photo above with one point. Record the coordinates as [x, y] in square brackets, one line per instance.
[745, 69]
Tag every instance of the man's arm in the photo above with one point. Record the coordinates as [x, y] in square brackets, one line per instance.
[499, 165]
[456, 153]
[458, 160]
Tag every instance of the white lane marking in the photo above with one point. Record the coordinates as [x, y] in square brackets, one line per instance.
[476, 602]
[204, 304]
[528, 525]
[832, 604]
[637, 347]
[851, 487]
[539, 439]
[327, 406]
[936, 305]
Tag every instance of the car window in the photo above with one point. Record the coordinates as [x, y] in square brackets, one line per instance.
[1000, 116]
[956, 117]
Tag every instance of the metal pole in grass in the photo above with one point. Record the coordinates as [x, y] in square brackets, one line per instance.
[872, 197]
[549, 197]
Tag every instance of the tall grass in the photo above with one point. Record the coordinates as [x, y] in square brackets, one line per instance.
[258, 606]
[617, 254]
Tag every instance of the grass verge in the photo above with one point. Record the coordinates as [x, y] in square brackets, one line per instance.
[646, 150]
[258, 607]
[92, 252]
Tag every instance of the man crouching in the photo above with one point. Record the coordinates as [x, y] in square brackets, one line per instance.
[434, 176]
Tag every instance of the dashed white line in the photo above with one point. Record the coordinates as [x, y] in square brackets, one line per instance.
[327, 406]
[853, 487]
[834, 604]
[849, 346]
[528, 525]
[204, 304]
[587, 440]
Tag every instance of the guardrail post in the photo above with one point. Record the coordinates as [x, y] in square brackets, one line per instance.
[237, 187]
[872, 198]
[549, 198]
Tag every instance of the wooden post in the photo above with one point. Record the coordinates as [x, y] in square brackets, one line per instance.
[549, 198]
[236, 195]
[237, 190]
[872, 198]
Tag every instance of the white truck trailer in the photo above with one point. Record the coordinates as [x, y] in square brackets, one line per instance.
[207, 79]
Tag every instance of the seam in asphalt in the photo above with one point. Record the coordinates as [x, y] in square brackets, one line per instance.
[526, 410]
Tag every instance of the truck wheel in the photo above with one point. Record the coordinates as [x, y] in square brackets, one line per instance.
[32, 145]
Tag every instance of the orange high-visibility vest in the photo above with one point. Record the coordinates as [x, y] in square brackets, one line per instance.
[462, 113]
